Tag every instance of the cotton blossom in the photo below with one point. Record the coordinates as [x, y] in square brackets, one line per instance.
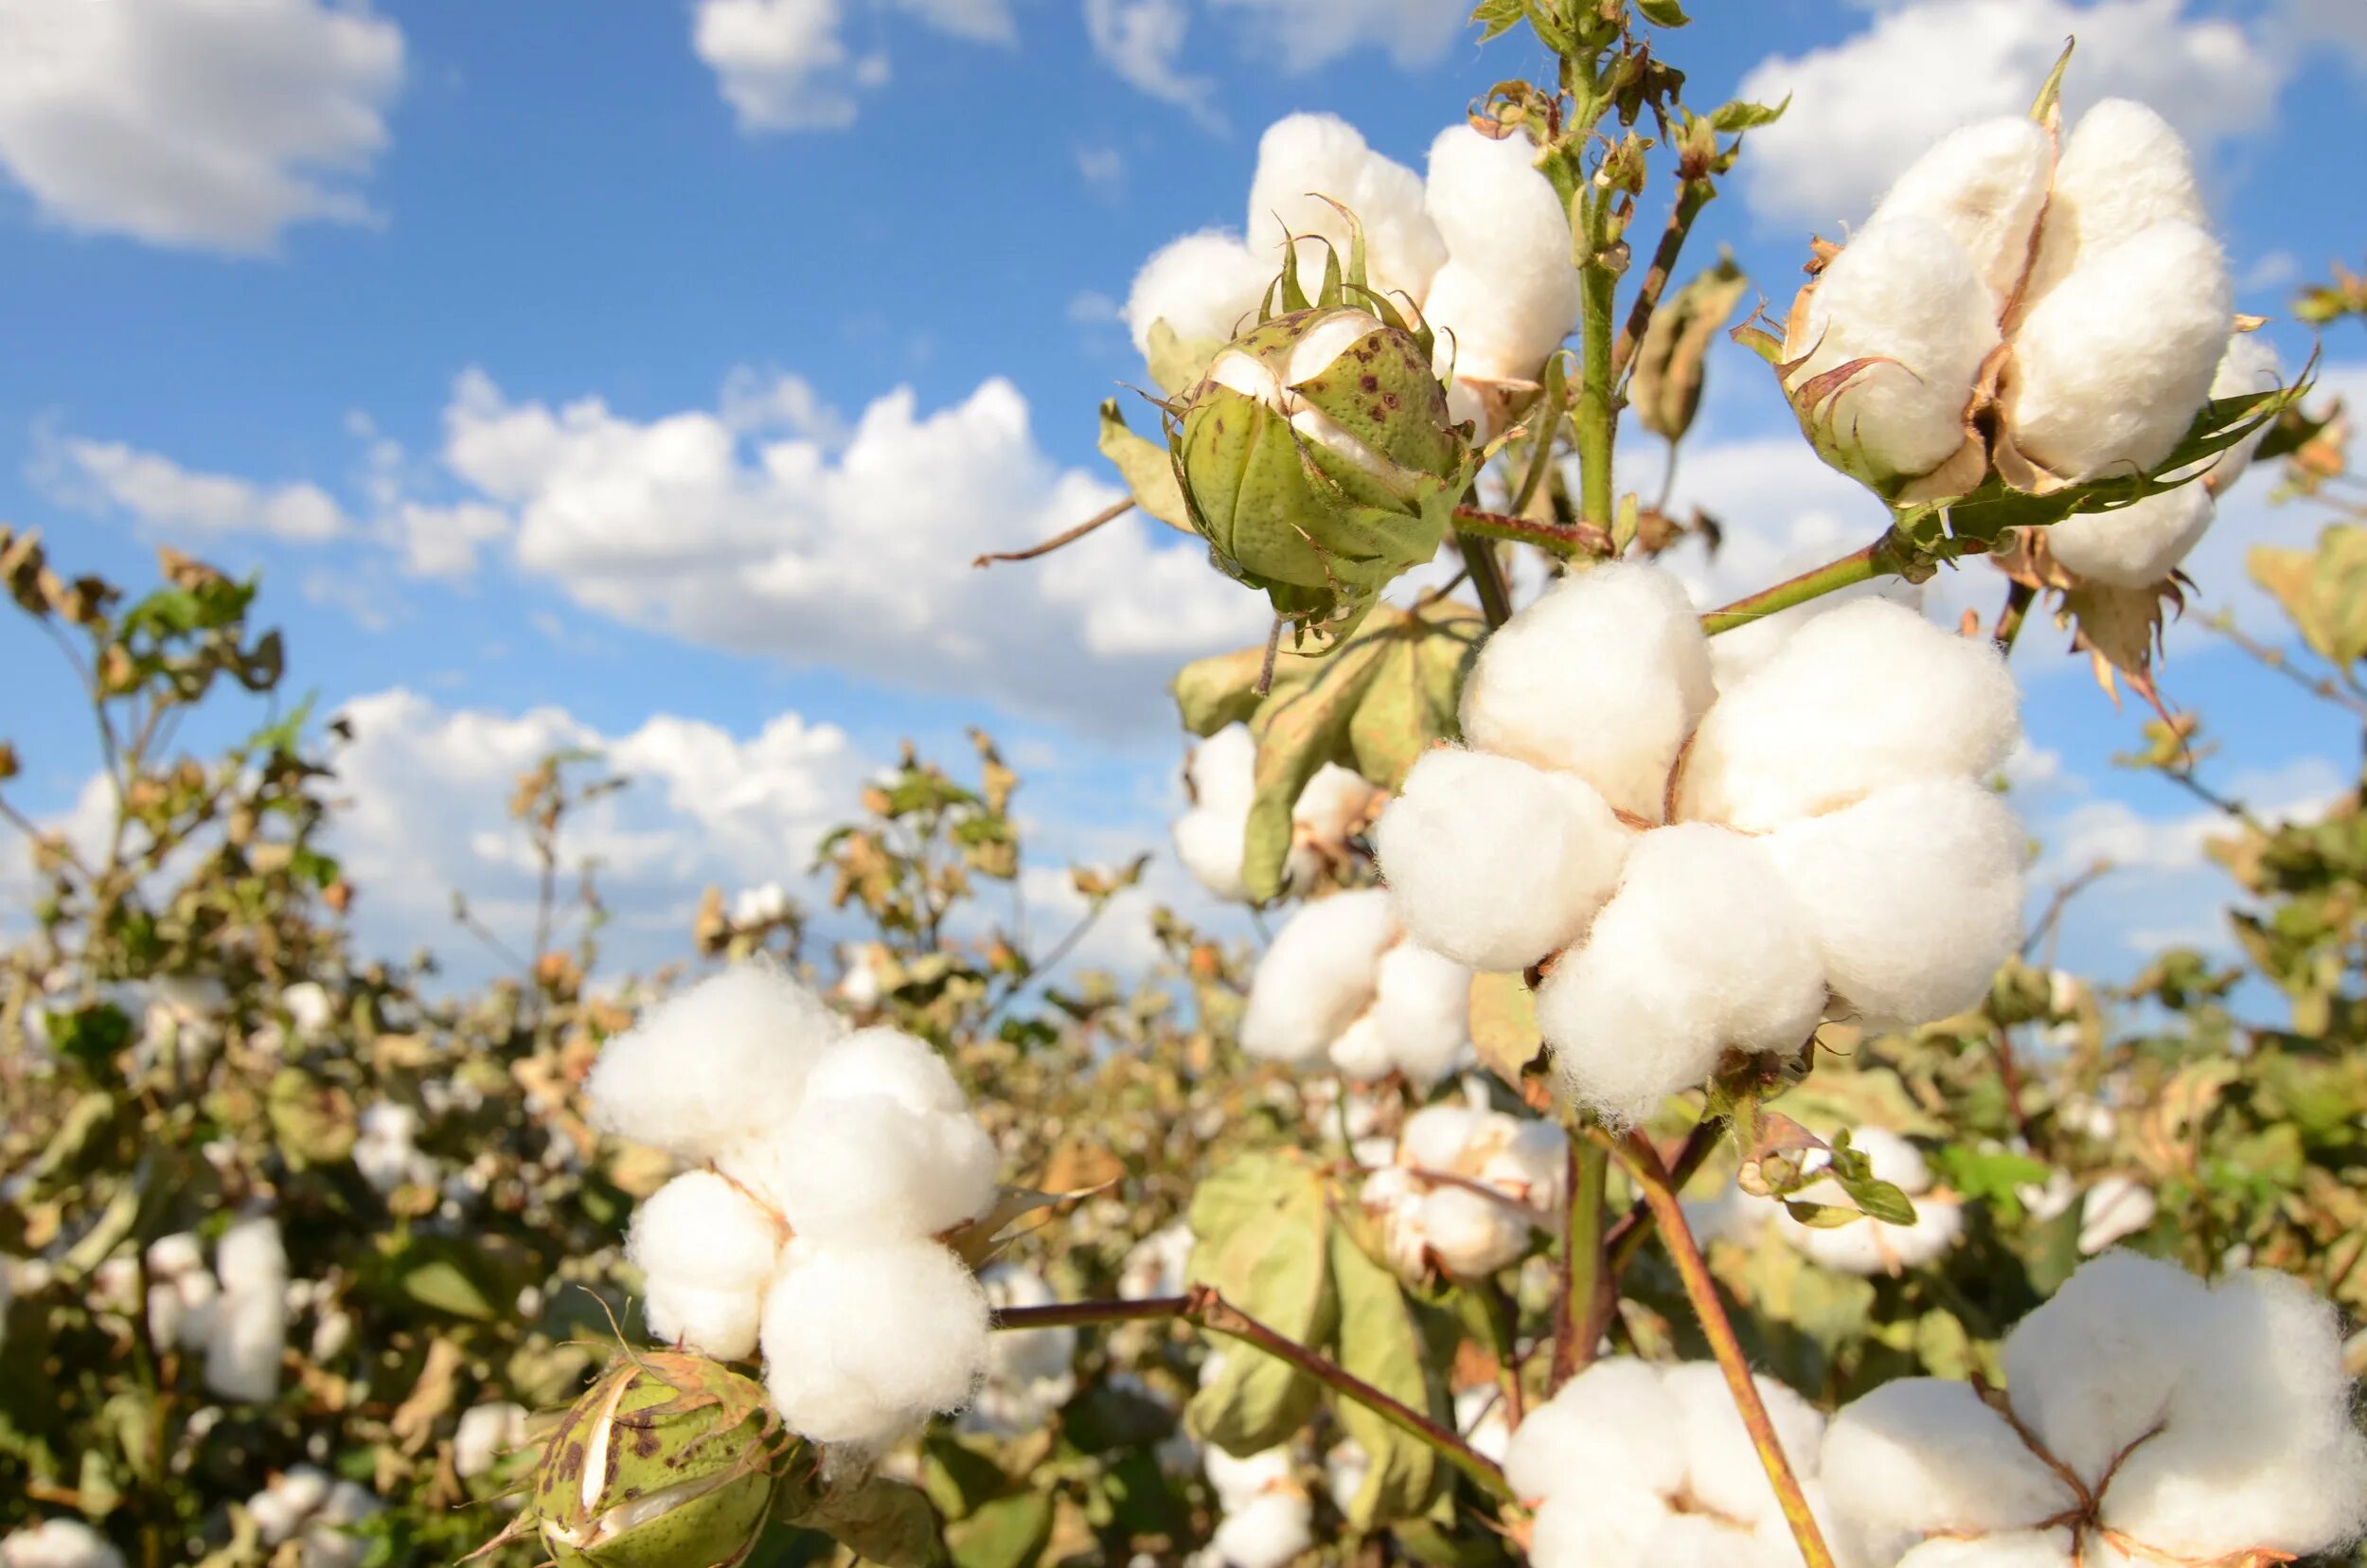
[1697, 870]
[2145, 1415]
[1330, 809]
[1341, 983]
[1871, 1246]
[1466, 1190]
[1635, 1466]
[2079, 298]
[58, 1544]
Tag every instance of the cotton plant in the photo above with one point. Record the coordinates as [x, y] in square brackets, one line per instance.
[58, 1544]
[1873, 1245]
[316, 1513]
[2147, 1417]
[1332, 809]
[1690, 872]
[1267, 1517]
[1344, 986]
[1466, 1190]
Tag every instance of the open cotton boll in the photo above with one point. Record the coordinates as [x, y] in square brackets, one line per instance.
[1701, 950]
[717, 1062]
[487, 1433]
[1866, 695]
[1913, 895]
[1317, 976]
[1303, 158]
[1871, 1247]
[1421, 1011]
[58, 1544]
[2112, 367]
[1206, 287]
[1235, 1478]
[1471, 1234]
[1362, 1053]
[865, 1167]
[861, 1344]
[1613, 1428]
[1208, 839]
[1723, 1469]
[247, 1332]
[1530, 1161]
[1508, 294]
[705, 1252]
[1922, 1454]
[2013, 1549]
[1332, 806]
[1436, 1137]
[1268, 1531]
[2115, 1207]
[2136, 545]
[1904, 295]
[2091, 1370]
[2257, 1447]
[1493, 863]
[1984, 184]
[1598, 1529]
[1603, 677]
[2123, 171]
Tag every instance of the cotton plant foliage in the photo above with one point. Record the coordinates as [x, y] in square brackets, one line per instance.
[832, 1162]
[1695, 871]
[2146, 1416]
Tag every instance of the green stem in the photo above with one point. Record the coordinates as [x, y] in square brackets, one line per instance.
[1562, 539]
[1634, 1228]
[1596, 415]
[1692, 196]
[1642, 1159]
[1886, 557]
[1487, 578]
[1589, 1289]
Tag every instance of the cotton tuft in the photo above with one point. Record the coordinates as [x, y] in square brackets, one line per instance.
[2123, 171]
[706, 1252]
[861, 1344]
[1421, 1011]
[1984, 184]
[1508, 293]
[1303, 158]
[58, 1544]
[1206, 287]
[248, 1328]
[1318, 975]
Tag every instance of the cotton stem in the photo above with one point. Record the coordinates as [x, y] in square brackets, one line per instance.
[1596, 417]
[1589, 1286]
[1692, 196]
[1886, 557]
[1644, 1161]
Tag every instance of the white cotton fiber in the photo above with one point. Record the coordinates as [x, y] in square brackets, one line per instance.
[1607, 1527]
[1865, 696]
[2257, 1448]
[1471, 1234]
[1702, 950]
[1493, 863]
[485, 1435]
[1362, 1053]
[2249, 367]
[724, 1059]
[1724, 1472]
[1304, 157]
[1206, 287]
[2123, 171]
[1983, 183]
[1913, 895]
[1603, 677]
[2091, 1370]
[2115, 1208]
[1922, 1454]
[1270, 1530]
[2136, 545]
[1223, 774]
[1237, 1478]
[861, 1344]
[1436, 1137]
[1508, 294]
[2112, 367]
[2012, 1549]
[1871, 1247]
[705, 1252]
[884, 1149]
[1529, 1160]
[1421, 1011]
[58, 1544]
[1906, 293]
[1613, 1428]
[1318, 975]
[248, 1330]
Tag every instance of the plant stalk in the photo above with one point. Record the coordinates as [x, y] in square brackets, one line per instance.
[1589, 1289]
[1562, 539]
[1887, 556]
[1692, 196]
[1595, 416]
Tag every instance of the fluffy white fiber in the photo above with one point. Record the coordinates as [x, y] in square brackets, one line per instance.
[1493, 863]
[1266, 1531]
[1904, 292]
[1922, 1454]
[485, 1435]
[2123, 169]
[716, 1064]
[1318, 975]
[863, 1343]
[1208, 837]
[247, 1332]
[1984, 184]
[1867, 696]
[58, 1544]
[1508, 294]
[1702, 948]
[706, 1252]
[1866, 876]
[1602, 678]
[1303, 158]
[1466, 1189]
[1421, 1011]
[1204, 286]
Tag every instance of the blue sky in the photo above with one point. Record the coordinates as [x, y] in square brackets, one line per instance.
[503, 339]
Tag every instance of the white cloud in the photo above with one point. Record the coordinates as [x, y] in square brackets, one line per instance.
[1142, 42]
[1102, 168]
[1312, 33]
[784, 64]
[443, 541]
[858, 555]
[210, 123]
[1862, 108]
[160, 494]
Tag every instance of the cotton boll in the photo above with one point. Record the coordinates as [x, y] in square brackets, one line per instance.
[1893, 1159]
[2123, 171]
[1208, 839]
[1318, 975]
[1421, 1011]
[486, 1433]
[2112, 367]
[706, 1252]
[2009, 1549]
[1303, 158]
[1206, 287]
[1269, 1531]
[2136, 545]
[708, 1067]
[248, 1330]
[1436, 1137]
[1604, 677]
[1601, 1527]
[1984, 184]
[1155, 1265]
[1866, 695]
[281, 1508]
[2093, 1370]
[886, 1062]
[1907, 295]
[1920, 1454]
[1473, 1234]
[862, 1344]
[1362, 1053]
[1615, 1428]
[58, 1544]
[1912, 894]
[2115, 1207]
[871, 1167]
[170, 1256]
[1331, 806]
[1530, 1163]
[1493, 863]
[1724, 1471]
[1508, 294]
[1701, 950]
[1239, 1478]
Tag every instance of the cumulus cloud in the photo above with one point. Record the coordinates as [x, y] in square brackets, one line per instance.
[1863, 107]
[1142, 42]
[208, 123]
[855, 554]
[785, 65]
[112, 478]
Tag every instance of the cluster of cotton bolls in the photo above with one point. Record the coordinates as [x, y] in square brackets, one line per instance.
[386, 1150]
[235, 1313]
[1692, 871]
[1029, 1375]
[1633, 1465]
[2148, 1417]
[2111, 1207]
[1221, 776]
[1466, 1189]
[1481, 249]
[1267, 1517]
[2080, 294]
[833, 1163]
[58, 1544]
[1342, 982]
[306, 1506]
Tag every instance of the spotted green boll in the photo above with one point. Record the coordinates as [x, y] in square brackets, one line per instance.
[668, 1461]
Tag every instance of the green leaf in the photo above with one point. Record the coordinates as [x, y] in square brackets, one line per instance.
[1380, 1342]
[958, 1479]
[1661, 13]
[1740, 114]
[1147, 468]
[1665, 388]
[1991, 1176]
[1010, 1532]
[888, 1522]
[1266, 1252]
